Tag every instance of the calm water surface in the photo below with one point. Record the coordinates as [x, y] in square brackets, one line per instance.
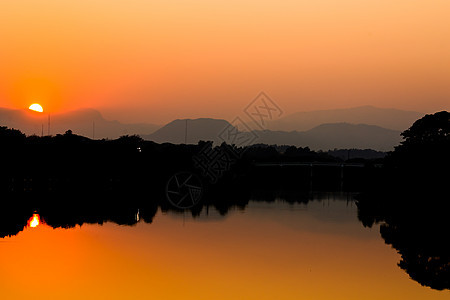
[269, 250]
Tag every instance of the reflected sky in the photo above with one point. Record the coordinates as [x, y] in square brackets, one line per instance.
[277, 250]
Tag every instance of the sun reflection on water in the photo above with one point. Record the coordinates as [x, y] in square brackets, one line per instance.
[34, 221]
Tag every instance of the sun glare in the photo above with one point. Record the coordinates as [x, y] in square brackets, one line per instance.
[34, 221]
[36, 107]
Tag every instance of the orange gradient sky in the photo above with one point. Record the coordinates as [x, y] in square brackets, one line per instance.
[153, 61]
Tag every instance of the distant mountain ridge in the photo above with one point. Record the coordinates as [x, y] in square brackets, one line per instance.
[344, 128]
[86, 122]
[388, 118]
[336, 136]
[322, 137]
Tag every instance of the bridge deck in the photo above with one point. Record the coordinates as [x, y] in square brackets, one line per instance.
[310, 164]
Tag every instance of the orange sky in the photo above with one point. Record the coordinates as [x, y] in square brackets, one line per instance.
[153, 61]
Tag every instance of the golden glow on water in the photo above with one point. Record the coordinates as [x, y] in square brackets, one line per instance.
[34, 221]
[267, 252]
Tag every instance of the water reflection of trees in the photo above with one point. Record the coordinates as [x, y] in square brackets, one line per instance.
[418, 227]
[69, 211]
[13, 220]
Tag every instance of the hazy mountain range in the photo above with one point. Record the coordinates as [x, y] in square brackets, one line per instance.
[360, 127]
[322, 137]
[86, 122]
[384, 117]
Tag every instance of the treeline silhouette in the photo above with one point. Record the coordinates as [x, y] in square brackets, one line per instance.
[72, 163]
[133, 168]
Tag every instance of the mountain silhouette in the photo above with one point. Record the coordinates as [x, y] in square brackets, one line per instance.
[360, 136]
[197, 129]
[389, 118]
[81, 122]
[322, 137]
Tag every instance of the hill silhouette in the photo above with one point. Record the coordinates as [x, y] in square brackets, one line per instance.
[79, 121]
[197, 129]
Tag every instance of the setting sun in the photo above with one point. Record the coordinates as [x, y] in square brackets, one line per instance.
[36, 107]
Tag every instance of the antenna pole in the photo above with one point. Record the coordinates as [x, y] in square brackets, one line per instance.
[48, 124]
[186, 132]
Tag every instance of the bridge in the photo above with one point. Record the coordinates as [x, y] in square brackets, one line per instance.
[309, 164]
[316, 170]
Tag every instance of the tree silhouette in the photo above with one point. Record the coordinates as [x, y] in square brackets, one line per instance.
[423, 157]
[428, 130]
[130, 139]
[11, 136]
